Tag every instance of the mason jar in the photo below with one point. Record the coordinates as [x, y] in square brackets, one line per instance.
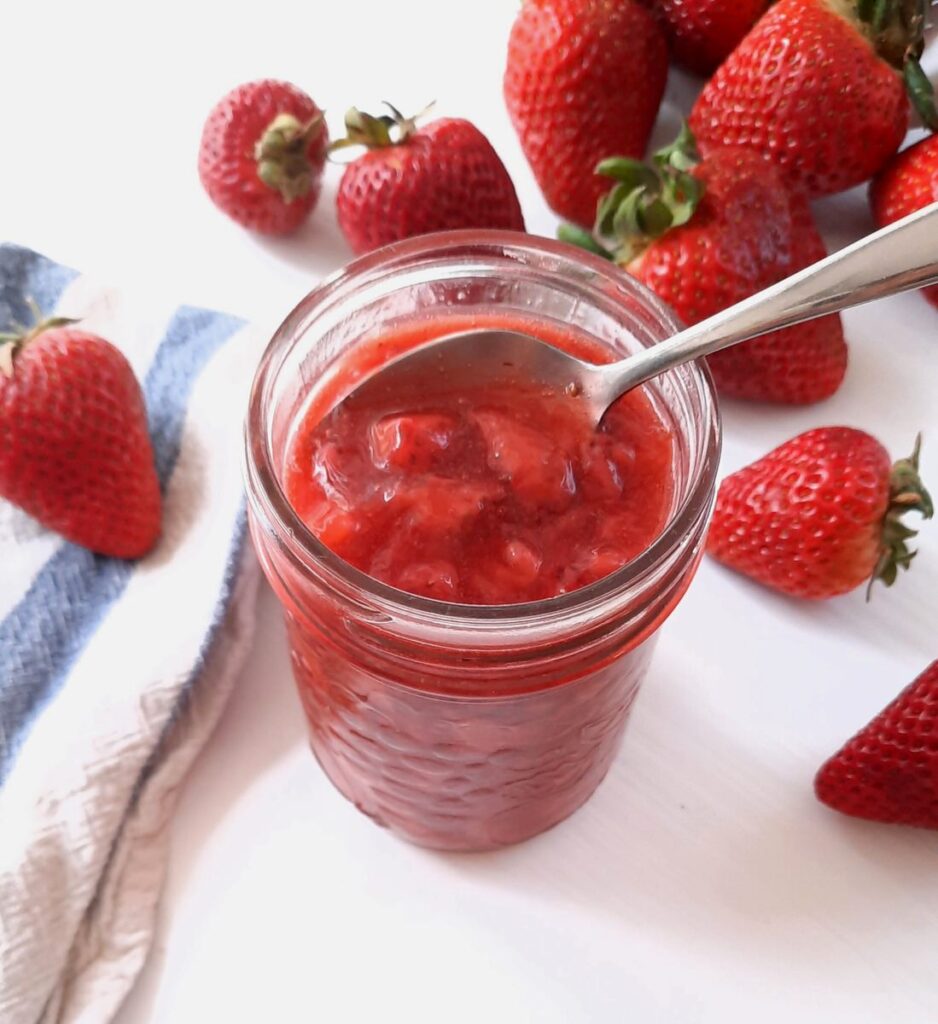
[470, 727]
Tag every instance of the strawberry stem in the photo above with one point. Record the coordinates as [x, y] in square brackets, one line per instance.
[907, 493]
[921, 93]
[377, 132]
[896, 29]
[573, 234]
[281, 155]
[646, 201]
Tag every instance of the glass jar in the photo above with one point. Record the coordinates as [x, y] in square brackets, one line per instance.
[470, 727]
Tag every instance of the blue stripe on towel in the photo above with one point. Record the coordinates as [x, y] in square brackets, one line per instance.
[25, 274]
[45, 632]
[183, 698]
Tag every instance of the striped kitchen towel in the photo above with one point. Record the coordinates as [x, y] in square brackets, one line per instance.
[113, 673]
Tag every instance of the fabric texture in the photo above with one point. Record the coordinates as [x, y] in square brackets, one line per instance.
[112, 673]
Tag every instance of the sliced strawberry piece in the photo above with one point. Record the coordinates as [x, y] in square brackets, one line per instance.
[334, 526]
[522, 560]
[538, 472]
[605, 464]
[439, 505]
[336, 469]
[410, 442]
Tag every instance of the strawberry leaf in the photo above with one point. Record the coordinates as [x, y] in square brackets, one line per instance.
[656, 217]
[632, 173]
[921, 93]
[682, 194]
[377, 132]
[609, 207]
[626, 222]
[907, 493]
[647, 199]
[574, 235]
[682, 154]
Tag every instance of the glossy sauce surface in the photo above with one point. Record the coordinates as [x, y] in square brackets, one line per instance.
[480, 497]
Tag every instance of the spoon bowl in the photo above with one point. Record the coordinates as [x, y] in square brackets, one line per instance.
[479, 359]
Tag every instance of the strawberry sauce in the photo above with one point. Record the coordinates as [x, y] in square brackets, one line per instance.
[459, 733]
[479, 719]
[480, 497]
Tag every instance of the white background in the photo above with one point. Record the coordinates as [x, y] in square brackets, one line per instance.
[703, 883]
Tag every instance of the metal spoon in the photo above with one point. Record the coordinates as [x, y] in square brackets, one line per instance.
[895, 259]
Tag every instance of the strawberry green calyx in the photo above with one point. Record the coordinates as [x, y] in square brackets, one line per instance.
[13, 342]
[377, 132]
[573, 234]
[921, 93]
[281, 155]
[896, 29]
[646, 201]
[907, 493]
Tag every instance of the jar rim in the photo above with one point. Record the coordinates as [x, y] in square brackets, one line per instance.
[267, 496]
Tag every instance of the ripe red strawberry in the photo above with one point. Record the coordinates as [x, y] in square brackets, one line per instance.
[820, 514]
[820, 89]
[889, 771]
[441, 177]
[584, 78]
[74, 448]
[705, 236]
[262, 154]
[906, 184]
[703, 33]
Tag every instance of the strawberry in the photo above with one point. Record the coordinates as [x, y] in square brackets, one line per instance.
[820, 514]
[706, 235]
[906, 184]
[262, 155]
[889, 771]
[818, 85]
[584, 78]
[703, 33]
[413, 180]
[74, 448]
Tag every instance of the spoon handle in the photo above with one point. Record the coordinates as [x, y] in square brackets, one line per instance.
[894, 259]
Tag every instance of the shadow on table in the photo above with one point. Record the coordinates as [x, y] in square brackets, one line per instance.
[318, 247]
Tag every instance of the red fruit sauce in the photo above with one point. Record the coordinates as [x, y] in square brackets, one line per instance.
[460, 732]
[480, 497]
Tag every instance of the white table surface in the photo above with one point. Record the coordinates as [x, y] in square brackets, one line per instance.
[703, 883]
